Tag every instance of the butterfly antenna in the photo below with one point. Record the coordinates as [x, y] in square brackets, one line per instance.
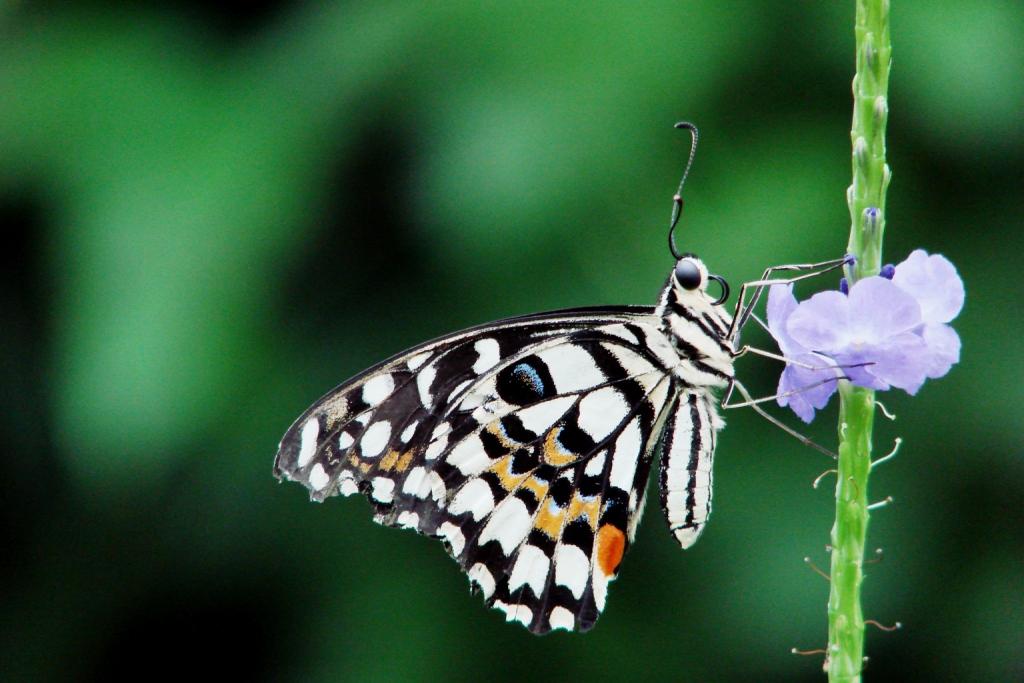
[677, 199]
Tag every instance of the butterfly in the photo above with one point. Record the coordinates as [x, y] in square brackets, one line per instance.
[525, 445]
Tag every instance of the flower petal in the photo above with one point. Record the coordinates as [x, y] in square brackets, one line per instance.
[943, 349]
[934, 282]
[781, 304]
[810, 389]
[821, 323]
[902, 362]
[879, 310]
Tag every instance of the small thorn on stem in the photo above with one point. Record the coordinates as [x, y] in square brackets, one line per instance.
[821, 476]
[815, 569]
[897, 442]
[885, 411]
[828, 548]
[895, 627]
[807, 653]
[881, 504]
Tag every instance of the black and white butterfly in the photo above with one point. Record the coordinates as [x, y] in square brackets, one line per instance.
[526, 444]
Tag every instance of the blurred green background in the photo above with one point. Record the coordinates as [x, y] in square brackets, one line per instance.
[212, 215]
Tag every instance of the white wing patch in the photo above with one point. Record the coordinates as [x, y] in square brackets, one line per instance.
[530, 569]
[601, 411]
[475, 497]
[377, 389]
[572, 368]
[310, 431]
[508, 524]
[375, 439]
[489, 353]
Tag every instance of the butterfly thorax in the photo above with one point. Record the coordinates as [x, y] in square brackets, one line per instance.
[697, 327]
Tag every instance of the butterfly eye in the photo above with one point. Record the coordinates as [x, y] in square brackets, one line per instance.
[688, 274]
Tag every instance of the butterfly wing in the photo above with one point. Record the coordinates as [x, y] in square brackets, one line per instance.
[525, 445]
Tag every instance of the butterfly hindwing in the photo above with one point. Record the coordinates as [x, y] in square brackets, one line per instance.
[524, 445]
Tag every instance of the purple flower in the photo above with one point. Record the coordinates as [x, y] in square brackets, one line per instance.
[884, 331]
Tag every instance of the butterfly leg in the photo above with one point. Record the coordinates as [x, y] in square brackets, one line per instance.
[744, 308]
[755, 406]
[750, 402]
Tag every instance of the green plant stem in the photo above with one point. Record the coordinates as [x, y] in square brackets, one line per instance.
[866, 197]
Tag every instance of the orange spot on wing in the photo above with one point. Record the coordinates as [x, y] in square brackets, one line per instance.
[389, 460]
[584, 508]
[403, 462]
[550, 519]
[611, 544]
[554, 454]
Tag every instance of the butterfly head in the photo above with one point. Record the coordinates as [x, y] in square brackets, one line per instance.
[690, 279]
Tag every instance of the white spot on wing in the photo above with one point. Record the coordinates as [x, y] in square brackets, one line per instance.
[560, 617]
[473, 400]
[457, 390]
[414, 481]
[408, 520]
[600, 584]
[318, 477]
[531, 569]
[409, 431]
[596, 465]
[383, 489]
[469, 456]
[520, 613]
[347, 483]
[572, 567]
[601, 411]
[572, 368]
[626, 455]
[307, 447]
[481, 576]
[423, 381]
[437, 488]
[453, 535]
[436, 447]
[375, 438]
[488, 355]
[508, 524]
[377, 389]
[416, 361]
[345, 440]
[539, 417]
[475, 497]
